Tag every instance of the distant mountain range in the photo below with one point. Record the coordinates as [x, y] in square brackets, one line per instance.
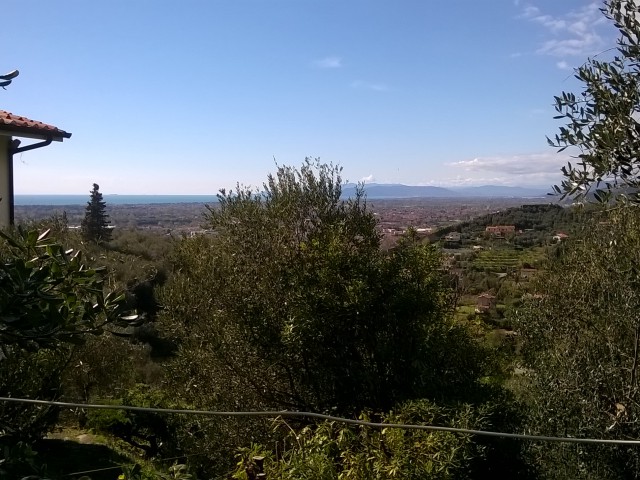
[379, 190]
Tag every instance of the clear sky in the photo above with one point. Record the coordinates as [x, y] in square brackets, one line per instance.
[168, 97]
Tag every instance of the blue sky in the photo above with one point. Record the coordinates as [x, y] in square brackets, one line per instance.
[166, 97]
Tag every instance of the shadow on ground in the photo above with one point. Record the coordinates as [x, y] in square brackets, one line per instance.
[70, 460]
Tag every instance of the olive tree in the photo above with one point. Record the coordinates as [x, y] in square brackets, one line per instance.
[603, 121]
[289, 302]
[292, 303]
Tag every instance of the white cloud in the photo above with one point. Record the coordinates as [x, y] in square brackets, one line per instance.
[576, 33]
[526, 169]
[562, 65]
[328, 62]
[586, 44]
[538, 181]
[529, 11]
[368, 179]
[377, 87]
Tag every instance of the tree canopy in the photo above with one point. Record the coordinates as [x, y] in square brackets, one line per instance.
[581, 340]
[294, 303]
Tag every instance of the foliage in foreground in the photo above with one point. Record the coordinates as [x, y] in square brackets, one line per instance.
[581, 341]
[330, 451]
[48, 295]
[49, 300]
[602, 121]
[293, 304]
[152, 433]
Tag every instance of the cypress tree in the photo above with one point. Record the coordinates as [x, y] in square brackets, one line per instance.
[95, 226]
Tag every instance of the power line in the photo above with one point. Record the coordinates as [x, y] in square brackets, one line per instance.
[348, 421]
[129, 465]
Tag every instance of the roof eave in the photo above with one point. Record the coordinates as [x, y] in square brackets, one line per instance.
[26, 132]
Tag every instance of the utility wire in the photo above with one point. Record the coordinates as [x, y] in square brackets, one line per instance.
[348, 421]
[129, 465]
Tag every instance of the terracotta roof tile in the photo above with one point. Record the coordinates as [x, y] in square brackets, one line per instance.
[18, 124]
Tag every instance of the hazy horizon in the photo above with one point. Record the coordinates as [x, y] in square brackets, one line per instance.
[117, 198]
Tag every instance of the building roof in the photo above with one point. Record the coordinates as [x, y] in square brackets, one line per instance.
[486, 295]
[25, 127]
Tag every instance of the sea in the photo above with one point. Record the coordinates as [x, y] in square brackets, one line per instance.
[112, 199]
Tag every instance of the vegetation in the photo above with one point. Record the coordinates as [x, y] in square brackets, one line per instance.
[580, 331]
[534, 225]
[294, 267]
[581, 340]
[47, 295]
[95, 225]
[292, 304]
[333, 451]
[286, 300]
[602, 123]
[49, 301]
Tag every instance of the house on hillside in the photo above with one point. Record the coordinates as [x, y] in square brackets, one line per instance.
[453, 238]
[485, 302]
[501, 230]
[395, 232]
[560, 237]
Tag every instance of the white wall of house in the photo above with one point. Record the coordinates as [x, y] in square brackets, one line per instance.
[5, 182]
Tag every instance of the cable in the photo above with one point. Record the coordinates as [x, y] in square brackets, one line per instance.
[321, 416]
[129, 465]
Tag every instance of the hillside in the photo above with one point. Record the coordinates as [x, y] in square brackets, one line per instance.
[536, 218]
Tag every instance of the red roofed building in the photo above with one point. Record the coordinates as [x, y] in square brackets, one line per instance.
[501, 229]
[16, 126]
[560, 237]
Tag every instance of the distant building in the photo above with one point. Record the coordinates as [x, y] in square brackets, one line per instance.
[559, 237]
[533, 296]
[196, 233]
[486, 302]
[501, 230]
[453, 237]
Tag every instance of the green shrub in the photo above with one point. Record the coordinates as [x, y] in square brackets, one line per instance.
[330, 451]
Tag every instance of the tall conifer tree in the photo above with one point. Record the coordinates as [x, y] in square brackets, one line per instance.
[95, 226]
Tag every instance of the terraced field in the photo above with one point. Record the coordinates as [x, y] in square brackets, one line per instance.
[498, 260]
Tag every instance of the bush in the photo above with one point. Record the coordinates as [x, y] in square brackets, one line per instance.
[293, 304]
[332, 451]
[153, 433]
